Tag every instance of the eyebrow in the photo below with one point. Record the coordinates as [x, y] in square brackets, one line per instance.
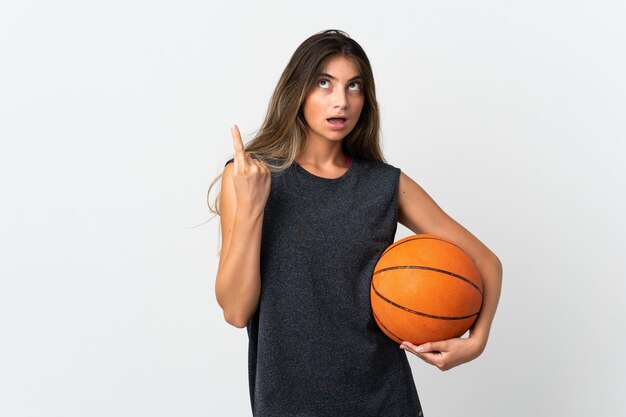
[324, 74]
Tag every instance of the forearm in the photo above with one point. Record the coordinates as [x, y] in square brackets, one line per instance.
[491, 273]
[238, 282]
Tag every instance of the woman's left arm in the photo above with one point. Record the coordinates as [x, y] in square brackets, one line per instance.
[419, 212]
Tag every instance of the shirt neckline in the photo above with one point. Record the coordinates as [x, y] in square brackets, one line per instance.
[324, 180]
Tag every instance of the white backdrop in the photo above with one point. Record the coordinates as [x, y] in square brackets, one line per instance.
[114, 119]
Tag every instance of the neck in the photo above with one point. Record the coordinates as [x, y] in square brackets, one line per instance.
[321, 153]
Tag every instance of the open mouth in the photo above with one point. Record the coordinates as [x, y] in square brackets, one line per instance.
[337, 121]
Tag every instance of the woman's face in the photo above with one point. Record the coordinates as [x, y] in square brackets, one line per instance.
[333, 107]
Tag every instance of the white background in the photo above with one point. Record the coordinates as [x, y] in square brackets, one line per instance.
[114, 119]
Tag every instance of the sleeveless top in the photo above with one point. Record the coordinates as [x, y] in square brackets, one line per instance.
[314, 348]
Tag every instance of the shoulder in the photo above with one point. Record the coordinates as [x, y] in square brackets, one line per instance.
[417, 210]
[378, 177]
[379, 167]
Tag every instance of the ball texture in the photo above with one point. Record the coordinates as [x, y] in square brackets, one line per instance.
[425, 289]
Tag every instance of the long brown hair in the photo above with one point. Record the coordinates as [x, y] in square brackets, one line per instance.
[283, 132]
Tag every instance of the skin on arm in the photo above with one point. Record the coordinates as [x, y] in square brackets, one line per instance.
[421, 214]
[244, 192]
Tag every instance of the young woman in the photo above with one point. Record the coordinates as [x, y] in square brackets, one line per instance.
[306, 208]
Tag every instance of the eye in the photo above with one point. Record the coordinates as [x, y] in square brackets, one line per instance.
[322, 80]
[357, 84]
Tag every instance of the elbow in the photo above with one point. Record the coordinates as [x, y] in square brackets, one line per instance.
[235, 321]
[498, 264]
[497, 267]
[238, 324]
[235, 316]
[490, 264]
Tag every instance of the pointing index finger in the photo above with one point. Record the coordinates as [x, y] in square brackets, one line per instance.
[237, 142]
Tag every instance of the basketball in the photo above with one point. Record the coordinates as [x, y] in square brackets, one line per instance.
[425, 289]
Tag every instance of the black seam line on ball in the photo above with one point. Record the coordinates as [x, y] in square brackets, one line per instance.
[419, 312]
[428, 268]
[386, 328]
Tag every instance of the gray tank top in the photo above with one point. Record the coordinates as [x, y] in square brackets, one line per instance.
[314, 348]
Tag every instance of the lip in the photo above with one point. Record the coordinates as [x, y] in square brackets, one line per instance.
[337, 126]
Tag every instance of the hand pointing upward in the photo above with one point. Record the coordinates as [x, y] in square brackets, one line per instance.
[251, 177]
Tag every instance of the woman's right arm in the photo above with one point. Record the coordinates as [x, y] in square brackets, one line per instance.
[244, 192]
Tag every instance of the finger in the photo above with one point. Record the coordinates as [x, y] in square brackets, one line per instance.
[427, 357]
[261, 167]
[237, 143]
[259, 163]
[249, 159]
[410, 347]
[431, 347]
[413, 347]
[434, 359]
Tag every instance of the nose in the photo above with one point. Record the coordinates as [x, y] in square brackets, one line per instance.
[340, 99]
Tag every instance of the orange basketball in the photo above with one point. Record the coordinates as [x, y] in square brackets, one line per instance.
[425, 289]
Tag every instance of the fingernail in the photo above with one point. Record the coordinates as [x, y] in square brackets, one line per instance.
[418, 349]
